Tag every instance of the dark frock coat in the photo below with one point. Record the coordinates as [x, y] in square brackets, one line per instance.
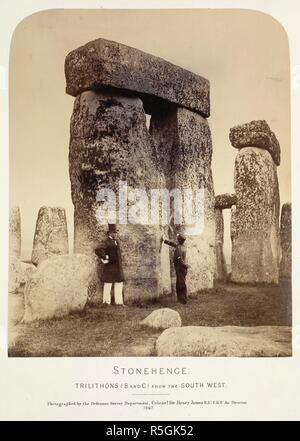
[113, 270]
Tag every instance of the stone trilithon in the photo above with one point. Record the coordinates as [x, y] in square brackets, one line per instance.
[115, 86]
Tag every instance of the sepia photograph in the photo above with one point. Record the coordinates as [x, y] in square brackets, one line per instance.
[150, 184]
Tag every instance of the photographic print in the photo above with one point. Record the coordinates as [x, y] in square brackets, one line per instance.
[150, 185]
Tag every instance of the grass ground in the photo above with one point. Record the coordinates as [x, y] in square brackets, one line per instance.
[115, 331]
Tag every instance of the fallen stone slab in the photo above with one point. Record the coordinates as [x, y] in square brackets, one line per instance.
[15, 308]
[104, 63]
[226, 200]
[59, 286]
[256, 134]
[225, 341]
[162, 319]
[19, 273]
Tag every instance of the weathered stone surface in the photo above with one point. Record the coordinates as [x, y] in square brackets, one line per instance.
[51, 234]
[184, 149]
[15, 308]
[227, 341]
[110, 143]
[256, 134]
[15, 315]
[221, 267]
[15, 232]
[162, 318]
[226, 200]
[59, 286]
[255, 221]
[19, 273]
[285, 269]
[102, 63]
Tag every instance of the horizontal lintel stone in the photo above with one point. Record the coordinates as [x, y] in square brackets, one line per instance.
[225, 200]
[256, 134]
[102, 63]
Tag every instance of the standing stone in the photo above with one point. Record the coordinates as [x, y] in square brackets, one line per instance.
[255, 221]
[221, 268]
[184, 148]
[110, 144]
[51, 234]
[286, 241]
[15, 232]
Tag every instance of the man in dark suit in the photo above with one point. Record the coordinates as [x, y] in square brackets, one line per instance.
[180, 265]
[110, 255]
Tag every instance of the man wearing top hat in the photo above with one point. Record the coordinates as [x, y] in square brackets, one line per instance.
[180, 265]
[110, 255]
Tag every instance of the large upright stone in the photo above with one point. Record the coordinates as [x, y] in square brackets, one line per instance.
[184, 149]
[103, 63]
[285, 270]
[15, 232]
[110, 144]
[255, 221]
[51, 234]
[256, 134]
[221, 268]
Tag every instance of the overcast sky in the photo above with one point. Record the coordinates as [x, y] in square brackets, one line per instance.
[244, 54]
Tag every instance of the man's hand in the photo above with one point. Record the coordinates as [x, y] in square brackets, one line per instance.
[106, 260]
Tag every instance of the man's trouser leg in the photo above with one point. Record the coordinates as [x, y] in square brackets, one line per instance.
[119, 293]
[106, 293]
[181, 289]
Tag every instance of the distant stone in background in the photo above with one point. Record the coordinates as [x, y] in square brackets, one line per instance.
[19, 273]
[225, 341]
[285, 270]
[15, 232]
[222, 202]
[51, 234]
[59, 286]
[221, 267]
[256, 134]
[255, 221]
[162, 319]
[226, 200]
